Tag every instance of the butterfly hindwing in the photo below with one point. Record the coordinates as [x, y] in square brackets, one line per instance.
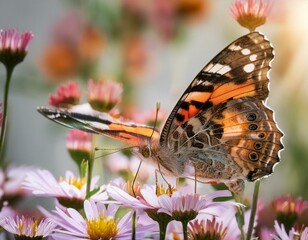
[234, 140]
[239, 70]
[101, 123]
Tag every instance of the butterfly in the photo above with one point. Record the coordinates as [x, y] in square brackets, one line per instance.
[221, 128]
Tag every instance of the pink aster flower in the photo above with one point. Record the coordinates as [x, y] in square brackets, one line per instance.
[104, 95]
[69, 191]
[251, 13]
[28, 227]
[67, 95]
[287, 205]
[206, 229]
[13, 47]
[79, 145]
[11, 180]
[99, 223]
[288, 210]
[282, 234]
[181, 205]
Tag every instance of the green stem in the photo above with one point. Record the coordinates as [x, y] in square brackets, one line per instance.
[90, 168]
[134, 226]
[162, 230]
[185, 233]
[240, 216]
[253, 209]
[9, 71]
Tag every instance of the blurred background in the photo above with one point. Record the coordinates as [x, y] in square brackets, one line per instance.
[154, 48]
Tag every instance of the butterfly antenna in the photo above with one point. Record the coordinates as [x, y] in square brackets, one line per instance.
[114, 150]
[135, 178]
[156, 118]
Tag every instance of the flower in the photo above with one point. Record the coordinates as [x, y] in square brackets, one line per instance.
[28, 227]
[59, 61]
[13, 47]
[185, 206]
[67, 95]
[135, 57]
[281, 233]
[99, 223]
[288, 210]
[79, 145]
[11, 180]
[206, 229]
[250, 13]
[70, 191]
[104, 95]
[91, 43]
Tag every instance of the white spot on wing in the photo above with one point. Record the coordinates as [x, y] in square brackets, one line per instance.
[245, 51]
[249, 67]
[253, 57]
[219, 68]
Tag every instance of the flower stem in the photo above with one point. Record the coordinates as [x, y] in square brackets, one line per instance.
[90, 167]
[240, 219]
[162, 230]
[134, 226]
[185, 233]
[9, 71]
[253, 209]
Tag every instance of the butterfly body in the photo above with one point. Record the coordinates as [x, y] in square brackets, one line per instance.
[220, 130]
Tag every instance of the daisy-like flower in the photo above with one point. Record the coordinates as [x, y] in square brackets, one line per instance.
[67, 95]
[69, 191]
[104, 95]
[206, 229]
[99, 223]
[13, 47]
[28, 227]
[289, 210]
[250, 13]
[185, 207]
[282, 234]
[11, 180]
[79, 145]
[164, 205]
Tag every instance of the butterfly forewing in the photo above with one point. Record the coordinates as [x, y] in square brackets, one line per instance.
[101, 123]
[239, 70]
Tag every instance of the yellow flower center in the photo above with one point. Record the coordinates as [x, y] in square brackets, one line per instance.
[102, 228]
[21, 224]
[160, 190]
[77, 182]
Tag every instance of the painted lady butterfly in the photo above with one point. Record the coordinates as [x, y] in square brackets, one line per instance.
[220, 127]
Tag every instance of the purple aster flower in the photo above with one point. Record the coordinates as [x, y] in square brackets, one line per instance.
[28, 227]
[70, 191]
[99, 223]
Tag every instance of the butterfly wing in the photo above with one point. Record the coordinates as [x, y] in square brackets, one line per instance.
[101, 123]
[239, 70]
[238, 139]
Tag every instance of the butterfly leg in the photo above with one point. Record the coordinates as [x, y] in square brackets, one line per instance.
[236, 186]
